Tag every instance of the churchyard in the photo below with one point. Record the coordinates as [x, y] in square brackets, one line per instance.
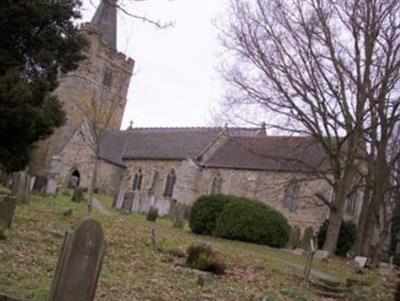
[140, 266]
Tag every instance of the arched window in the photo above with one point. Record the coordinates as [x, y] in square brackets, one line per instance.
[169, 185]
[216, 185]
[292, 195]
[137, 181]
[351, 205]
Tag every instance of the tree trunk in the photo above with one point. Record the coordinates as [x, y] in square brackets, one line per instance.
[93, 184]
[362, 236]
[335, 221]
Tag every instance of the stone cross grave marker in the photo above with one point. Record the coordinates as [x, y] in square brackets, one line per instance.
[79, 264]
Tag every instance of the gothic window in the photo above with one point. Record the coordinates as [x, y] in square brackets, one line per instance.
[107, 78]
[169, 184]
[292, 196]
[351, 205]
[216, 185]
[137, 181]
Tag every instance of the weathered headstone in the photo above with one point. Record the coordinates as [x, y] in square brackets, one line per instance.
[7, 210]
[308, 234]
[20, 187]
[40, 184]
[78, 195]
[51, 187]
[179, 216]
[128, 200]
[79, 264]
[360, 261]
[294, 238]
[119, 199]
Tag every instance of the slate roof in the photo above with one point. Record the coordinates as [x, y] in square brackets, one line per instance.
[274, 153]
[244, 149]
[162, 143]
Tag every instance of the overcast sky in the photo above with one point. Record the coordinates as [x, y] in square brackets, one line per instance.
[175, 81]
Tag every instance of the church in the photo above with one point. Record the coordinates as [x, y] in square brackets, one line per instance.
[159, 166]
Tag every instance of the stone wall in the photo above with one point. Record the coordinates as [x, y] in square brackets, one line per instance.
[109, 177]
[80, 90]
[163, 167]
[268, 187]
[77, 155]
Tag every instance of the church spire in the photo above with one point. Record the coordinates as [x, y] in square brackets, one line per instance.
[106, 18]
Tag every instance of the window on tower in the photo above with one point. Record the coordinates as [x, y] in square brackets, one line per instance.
[107, 78]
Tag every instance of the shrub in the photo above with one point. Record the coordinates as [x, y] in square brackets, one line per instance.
[152, 214]
[347, 237]
[203, 257]
[206, 211]
[252, 221]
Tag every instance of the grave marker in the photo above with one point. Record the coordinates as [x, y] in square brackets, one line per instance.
[79, 264]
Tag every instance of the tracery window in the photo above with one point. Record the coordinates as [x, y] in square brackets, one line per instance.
[137, 181]
[170, 183]
[216, 185]
[292, 196]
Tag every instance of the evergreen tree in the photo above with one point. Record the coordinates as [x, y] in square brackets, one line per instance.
[38, 40]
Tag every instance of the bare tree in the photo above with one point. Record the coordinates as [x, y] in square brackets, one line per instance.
[323, 67]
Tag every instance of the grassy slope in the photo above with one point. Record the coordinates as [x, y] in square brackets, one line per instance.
[134, 271]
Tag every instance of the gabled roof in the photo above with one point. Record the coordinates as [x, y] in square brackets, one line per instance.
[173, 143]
[163, 143]
[274, 153]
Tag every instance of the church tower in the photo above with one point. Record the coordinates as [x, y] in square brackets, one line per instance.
[97, 89]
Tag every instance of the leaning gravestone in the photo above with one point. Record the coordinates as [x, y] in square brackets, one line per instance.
[40, 184]
[20, 187]
[78, 195]
[79, 264]
[128, 200]
[7, 209]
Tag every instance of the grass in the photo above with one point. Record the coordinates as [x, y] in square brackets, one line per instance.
[132, 270]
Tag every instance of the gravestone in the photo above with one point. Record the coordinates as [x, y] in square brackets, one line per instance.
[179, 215]
[119, 199]
[7, 209]
[78, 195]
[307, 236]
[128, 200]
[360, 262]
[294, 238]
[20, 187]
[79, 264]
[51, 187]
[40, 184]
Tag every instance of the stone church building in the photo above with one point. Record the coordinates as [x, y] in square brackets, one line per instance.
[145, 167]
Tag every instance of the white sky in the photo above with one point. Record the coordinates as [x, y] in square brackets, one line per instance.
[175, 82]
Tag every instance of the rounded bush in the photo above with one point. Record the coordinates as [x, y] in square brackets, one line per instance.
[347, 237]
[205, 212]
[252, 221]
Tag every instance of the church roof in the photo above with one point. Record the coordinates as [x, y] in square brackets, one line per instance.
[274, 153]
[106, 19]
[243, 149]
[173, 143]
[162, 143]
